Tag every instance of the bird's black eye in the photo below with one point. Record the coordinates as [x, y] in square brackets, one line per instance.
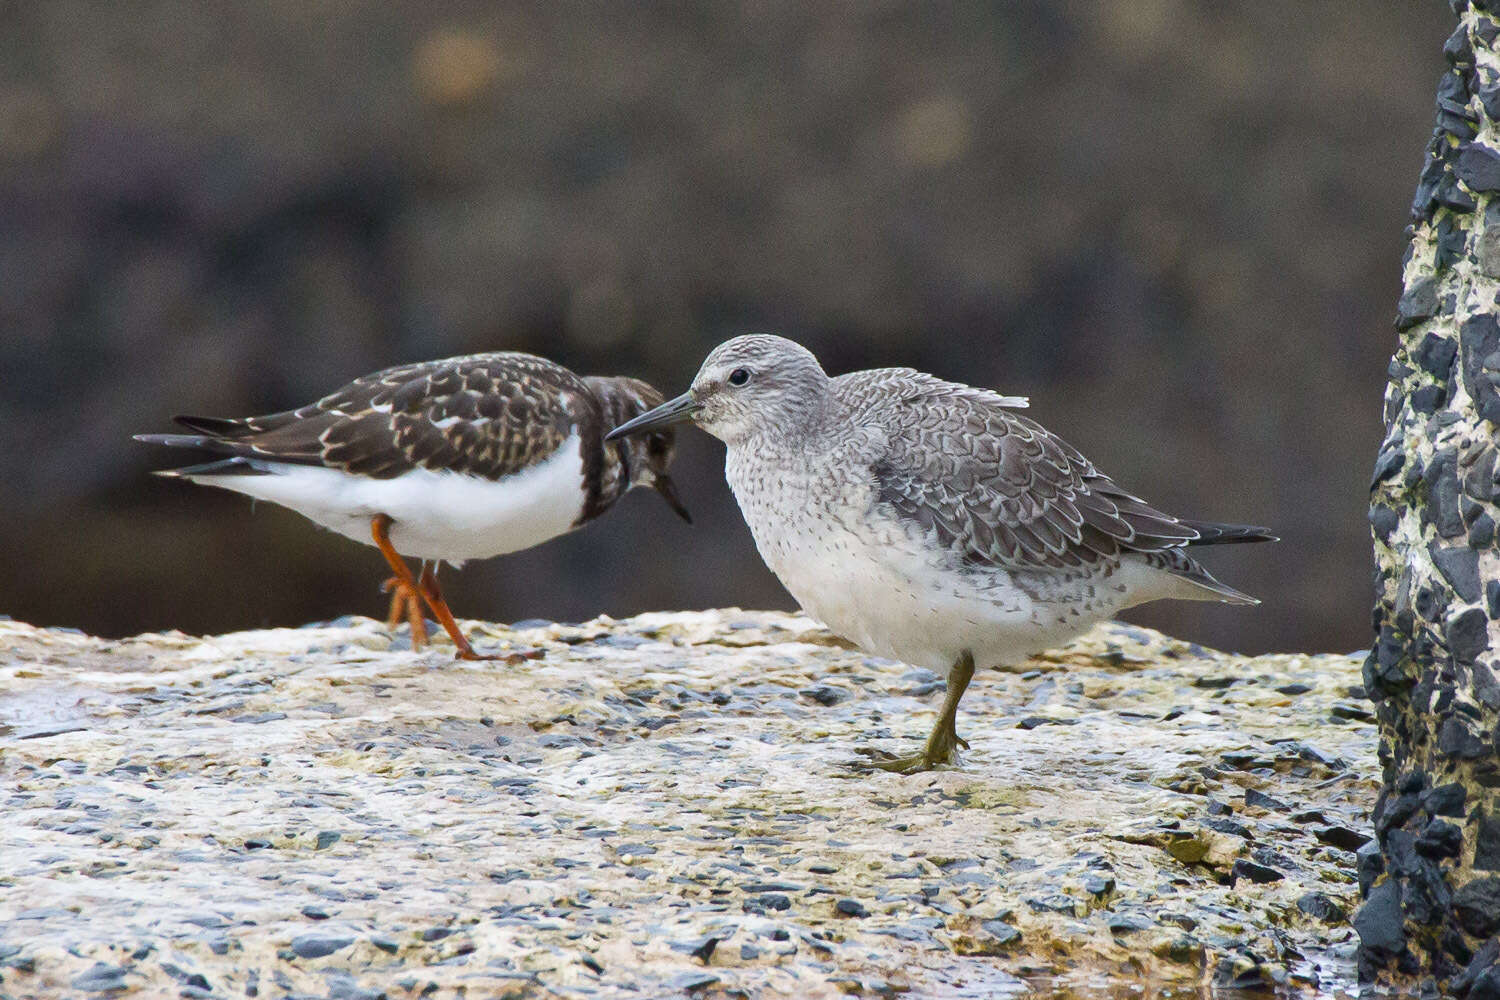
[739, 376]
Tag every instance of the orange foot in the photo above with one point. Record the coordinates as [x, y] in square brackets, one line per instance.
[406, 605]
[409, 592]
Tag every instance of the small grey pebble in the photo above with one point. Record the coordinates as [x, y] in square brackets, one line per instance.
[851, 908]
[318, 945]
[1002, 932]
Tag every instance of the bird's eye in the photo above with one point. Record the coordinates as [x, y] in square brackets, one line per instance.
[739, 376]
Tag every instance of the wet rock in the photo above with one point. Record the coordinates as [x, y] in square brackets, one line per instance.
[318, 945]
[1460, 567]
[1098, 885]
[101, 978]
[1418, 302]
[1241, 972]
[1487, 844]
[768, 902]
[1478, 167]
[691, 982]
[702, 950]
[1379, 921]
[1033, 721]
[1480, 973]
[1001, 933]
[1480, 334]
[851, 908]
[1318, 906]
[1477, 906]
[1254, 872]
[1435, 354]
[1342, 837]
[1056, 902]
[739, 824]
[824, 694]
[1444, 800]
[1260, 800]
[1440, 840]
[1231, 827]
[1467, 635]
[1128, 922]
[1457, 738]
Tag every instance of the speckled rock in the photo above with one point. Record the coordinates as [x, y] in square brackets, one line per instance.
[1433, 669]
[665, 804]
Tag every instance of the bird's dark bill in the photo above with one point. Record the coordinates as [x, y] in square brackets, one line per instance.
[668, 491]
[673, 411]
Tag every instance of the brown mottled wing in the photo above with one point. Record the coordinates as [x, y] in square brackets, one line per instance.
[993, 486]
[485, 415]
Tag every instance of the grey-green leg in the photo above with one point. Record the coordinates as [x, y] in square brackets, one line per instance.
[943, 742]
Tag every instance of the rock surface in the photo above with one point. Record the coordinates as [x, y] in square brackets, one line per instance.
[664, 805]
[1433, 903]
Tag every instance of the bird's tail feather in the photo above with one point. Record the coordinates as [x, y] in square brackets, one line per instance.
[237, 466]
[1221, 591]
[1214, 533]
[214, 427]
[1190, 581]
[203, 441]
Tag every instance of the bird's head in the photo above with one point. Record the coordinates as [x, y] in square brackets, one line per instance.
[746, 386]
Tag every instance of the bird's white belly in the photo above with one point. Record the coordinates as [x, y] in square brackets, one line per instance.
[435, 515]
[884, 592]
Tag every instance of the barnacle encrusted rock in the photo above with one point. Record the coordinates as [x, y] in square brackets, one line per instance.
[1433, 669]
[661, 805]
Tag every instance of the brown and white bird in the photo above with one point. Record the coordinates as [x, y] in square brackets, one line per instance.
[443, 461]
[928, 521]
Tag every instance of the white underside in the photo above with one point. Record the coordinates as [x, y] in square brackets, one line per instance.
[435, 515]
[876, 581]
[895, 601]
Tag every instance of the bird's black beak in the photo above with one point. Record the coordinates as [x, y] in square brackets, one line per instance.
[673, 411]
[663, 484]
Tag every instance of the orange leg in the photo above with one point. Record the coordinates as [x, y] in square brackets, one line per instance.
[433, 594]
[404, 603]
[403, 584]
[407, 589]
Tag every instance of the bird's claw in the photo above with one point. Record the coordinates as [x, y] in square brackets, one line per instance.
[880, 760]
[512, 658]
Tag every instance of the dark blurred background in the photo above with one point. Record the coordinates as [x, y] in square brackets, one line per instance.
[1176, 224]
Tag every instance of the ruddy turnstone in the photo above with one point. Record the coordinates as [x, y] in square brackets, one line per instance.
[442, 461]
[927, 521]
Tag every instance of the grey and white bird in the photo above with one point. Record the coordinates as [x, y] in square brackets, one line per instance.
[444, 461]
[928, 521]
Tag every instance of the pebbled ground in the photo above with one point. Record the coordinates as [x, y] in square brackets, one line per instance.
[663, 806]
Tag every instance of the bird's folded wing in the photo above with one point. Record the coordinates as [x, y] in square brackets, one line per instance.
[484, 415]
[998, 489]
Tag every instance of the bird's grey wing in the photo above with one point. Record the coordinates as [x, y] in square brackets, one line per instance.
[487, 415]
[998, 489]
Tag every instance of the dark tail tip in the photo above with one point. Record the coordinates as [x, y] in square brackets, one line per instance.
[1213, 533]
[176, 440]
[212, 426]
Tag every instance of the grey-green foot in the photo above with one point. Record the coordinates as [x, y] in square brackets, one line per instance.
[929, 759]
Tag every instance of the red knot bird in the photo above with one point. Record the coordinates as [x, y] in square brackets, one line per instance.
[442, 461]
[928, 521]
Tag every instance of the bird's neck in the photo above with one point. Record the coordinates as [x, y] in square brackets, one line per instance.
[606, 479]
